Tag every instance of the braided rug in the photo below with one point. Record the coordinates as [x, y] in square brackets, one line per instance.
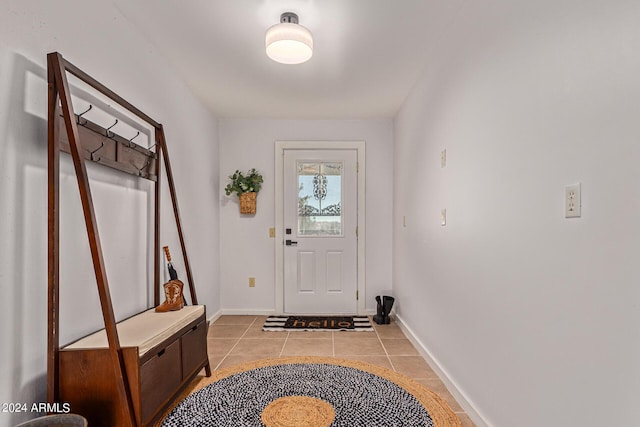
[310, 392]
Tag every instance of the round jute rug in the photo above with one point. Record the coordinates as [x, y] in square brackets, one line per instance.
[309, 392]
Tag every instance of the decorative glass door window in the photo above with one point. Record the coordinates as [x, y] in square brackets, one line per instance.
[319, 199]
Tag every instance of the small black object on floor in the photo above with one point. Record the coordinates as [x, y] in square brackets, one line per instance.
[382, 311]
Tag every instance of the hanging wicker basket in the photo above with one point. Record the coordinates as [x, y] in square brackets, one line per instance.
[248, 203]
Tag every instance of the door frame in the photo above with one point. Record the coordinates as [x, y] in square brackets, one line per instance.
[280, 146]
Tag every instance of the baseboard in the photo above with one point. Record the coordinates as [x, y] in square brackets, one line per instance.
[215, 316]
[245, 312]
[265, 312]
[451, 385]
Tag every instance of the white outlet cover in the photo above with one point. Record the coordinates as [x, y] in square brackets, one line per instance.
[572, 201]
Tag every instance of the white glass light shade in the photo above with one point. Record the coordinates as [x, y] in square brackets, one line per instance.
[289, 43]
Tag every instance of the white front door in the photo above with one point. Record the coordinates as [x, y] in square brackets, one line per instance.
[320, 221]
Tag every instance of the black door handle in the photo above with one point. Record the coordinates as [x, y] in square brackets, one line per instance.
[290, 243]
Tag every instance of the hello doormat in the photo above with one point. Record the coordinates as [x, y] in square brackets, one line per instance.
[317, 323]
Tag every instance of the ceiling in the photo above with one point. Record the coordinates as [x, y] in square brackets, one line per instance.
[367, 53]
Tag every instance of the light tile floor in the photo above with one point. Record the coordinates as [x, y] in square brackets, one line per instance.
[239, 339]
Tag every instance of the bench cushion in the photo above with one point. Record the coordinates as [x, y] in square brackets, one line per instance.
[144, 330]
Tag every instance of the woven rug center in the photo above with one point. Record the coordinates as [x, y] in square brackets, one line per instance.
[298, 411]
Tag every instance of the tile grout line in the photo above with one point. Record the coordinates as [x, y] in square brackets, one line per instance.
[235, 345]
[333, 344]
[384, 348]
[284, 344]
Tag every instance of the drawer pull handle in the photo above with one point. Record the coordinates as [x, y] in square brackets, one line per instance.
[161, 352]
[194, 328]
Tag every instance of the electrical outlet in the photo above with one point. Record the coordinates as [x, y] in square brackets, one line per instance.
[443, 217]
[252, 282]
[572, 201]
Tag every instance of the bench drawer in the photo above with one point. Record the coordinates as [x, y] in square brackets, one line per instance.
[194, 348]
[159, 379]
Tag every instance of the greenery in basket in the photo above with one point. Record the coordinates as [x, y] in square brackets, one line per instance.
[240, 183]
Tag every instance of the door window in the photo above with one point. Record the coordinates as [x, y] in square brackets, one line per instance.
[319, 198]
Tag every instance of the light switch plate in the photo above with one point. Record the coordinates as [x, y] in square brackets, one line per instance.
[443, 217]
[572, 201]
[443, 158]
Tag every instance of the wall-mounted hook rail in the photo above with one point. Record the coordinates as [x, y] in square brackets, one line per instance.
[102, 145]
[109, 128]
[82, 114]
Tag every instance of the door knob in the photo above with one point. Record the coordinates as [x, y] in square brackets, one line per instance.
[290, 243]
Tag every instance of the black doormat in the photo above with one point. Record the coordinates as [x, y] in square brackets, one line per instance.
[317, 323]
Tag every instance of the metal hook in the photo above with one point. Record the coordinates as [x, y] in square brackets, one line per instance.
[109, 128]
[93, 159]
[82, 114]
[131, 144]
[140, 169]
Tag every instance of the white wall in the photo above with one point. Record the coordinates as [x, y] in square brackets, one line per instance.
[247, 249]
[93, 36]
[535, 317]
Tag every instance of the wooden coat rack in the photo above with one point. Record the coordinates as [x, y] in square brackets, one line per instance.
[88, 141]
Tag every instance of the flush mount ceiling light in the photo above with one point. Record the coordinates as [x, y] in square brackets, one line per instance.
[288, 42]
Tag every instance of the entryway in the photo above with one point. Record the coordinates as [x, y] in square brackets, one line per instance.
[320, 227]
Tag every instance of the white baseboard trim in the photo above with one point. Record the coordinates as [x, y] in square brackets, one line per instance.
[264, 312]
[245, 312]
[215, 316]
[451, 385]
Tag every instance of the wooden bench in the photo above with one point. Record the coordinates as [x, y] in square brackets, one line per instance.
[162, 353]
